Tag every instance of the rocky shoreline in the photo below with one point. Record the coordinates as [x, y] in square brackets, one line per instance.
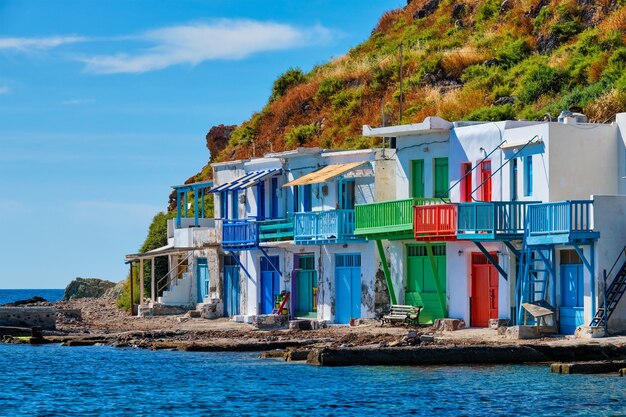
[96, 321]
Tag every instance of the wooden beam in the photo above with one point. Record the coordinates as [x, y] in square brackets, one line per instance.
[152, 283]
[132, 298]
[383, 260]
[491, 260]
[433, 265]
[141, 282]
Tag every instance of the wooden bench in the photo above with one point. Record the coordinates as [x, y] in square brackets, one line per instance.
[402, 314]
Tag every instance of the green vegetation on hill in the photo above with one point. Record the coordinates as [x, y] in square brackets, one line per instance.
[462, 60]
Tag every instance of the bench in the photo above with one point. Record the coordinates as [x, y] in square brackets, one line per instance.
[402, 314]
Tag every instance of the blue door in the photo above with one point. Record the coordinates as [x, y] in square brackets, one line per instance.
[231, 286]
[572, 292]
[270, 283]
[347, 287]
[203, 279]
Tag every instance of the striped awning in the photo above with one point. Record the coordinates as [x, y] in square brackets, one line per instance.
[324, 174]
[248, 180]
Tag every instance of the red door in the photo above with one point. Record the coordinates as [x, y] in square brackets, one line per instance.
[485, 180]
[466, 183]
[484, 291]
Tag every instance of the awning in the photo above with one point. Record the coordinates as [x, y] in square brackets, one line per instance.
[325, 173]
[168, 249]
[248, 180]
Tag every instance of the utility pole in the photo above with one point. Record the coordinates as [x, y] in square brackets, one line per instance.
[400, 77]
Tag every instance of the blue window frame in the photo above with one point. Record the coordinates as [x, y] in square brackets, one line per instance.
[224, 205]
[274, 198]
[528, 175]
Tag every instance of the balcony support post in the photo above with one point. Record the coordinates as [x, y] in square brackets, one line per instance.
[590, 265]
[268, 260]
[433, 264]
[512, 248]
[491, 260]
[236, 258]
[383, 260]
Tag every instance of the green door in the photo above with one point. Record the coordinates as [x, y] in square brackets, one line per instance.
[417, 178]
[306, 287]
[441, 178]
[421, 288]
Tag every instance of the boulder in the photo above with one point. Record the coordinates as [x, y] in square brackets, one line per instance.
[86, 288]
[32, 300]
[448, 325]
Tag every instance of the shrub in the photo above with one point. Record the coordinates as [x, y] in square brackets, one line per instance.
[513, 52]
[327, 88]
[291, 78]
[300, 135]
[539, 80]
[492, 113]
[487, 10]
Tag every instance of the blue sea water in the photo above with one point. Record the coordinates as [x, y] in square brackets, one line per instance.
[77, 381]
[9, 296]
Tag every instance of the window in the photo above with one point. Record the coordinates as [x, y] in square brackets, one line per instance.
[466, 181]
[485, 180]
[234, 203]
[513, 179]
[441, 178]
[260, 209]
[274, 198]
[224, 204]
[302, 198]
[528, 175]
[346, 195]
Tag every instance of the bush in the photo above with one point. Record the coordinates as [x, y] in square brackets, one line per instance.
[513, 52]
[539, 80]
[291, 78]
[300, 135]
[327, 88]
[492, 113]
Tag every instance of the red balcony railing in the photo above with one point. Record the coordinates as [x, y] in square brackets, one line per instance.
[435, 222]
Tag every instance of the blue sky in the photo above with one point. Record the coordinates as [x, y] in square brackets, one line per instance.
[105, 104]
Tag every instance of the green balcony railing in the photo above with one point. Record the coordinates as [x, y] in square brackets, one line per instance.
[275, 230]
[392, 218]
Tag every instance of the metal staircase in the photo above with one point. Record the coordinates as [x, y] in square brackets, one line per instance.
[613, 294]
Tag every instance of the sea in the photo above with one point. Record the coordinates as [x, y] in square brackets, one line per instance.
[9, 296]
[53, 380]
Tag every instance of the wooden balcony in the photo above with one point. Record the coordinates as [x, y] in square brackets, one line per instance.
[239, 234]
[388, 219]
[324, 227]
[496, 220]
[275, 230]
[561, 222]
[435, 222]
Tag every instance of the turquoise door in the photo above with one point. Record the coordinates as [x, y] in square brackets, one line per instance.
[347, 287]
[270, 283]
[231, 286]
[203, 279]
[306, 287]
[572, 295]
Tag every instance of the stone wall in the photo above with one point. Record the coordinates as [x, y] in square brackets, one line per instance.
[45, 317]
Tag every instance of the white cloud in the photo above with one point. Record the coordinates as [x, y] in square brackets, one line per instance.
[27, 44]
[76, 101]
[195, 43]
[4, 89]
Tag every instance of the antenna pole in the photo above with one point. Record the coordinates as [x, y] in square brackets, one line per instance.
[400, 77]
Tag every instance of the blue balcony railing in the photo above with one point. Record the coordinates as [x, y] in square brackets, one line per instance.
[332, 226]
[561, 222]
[239, 234]
[492, 220]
